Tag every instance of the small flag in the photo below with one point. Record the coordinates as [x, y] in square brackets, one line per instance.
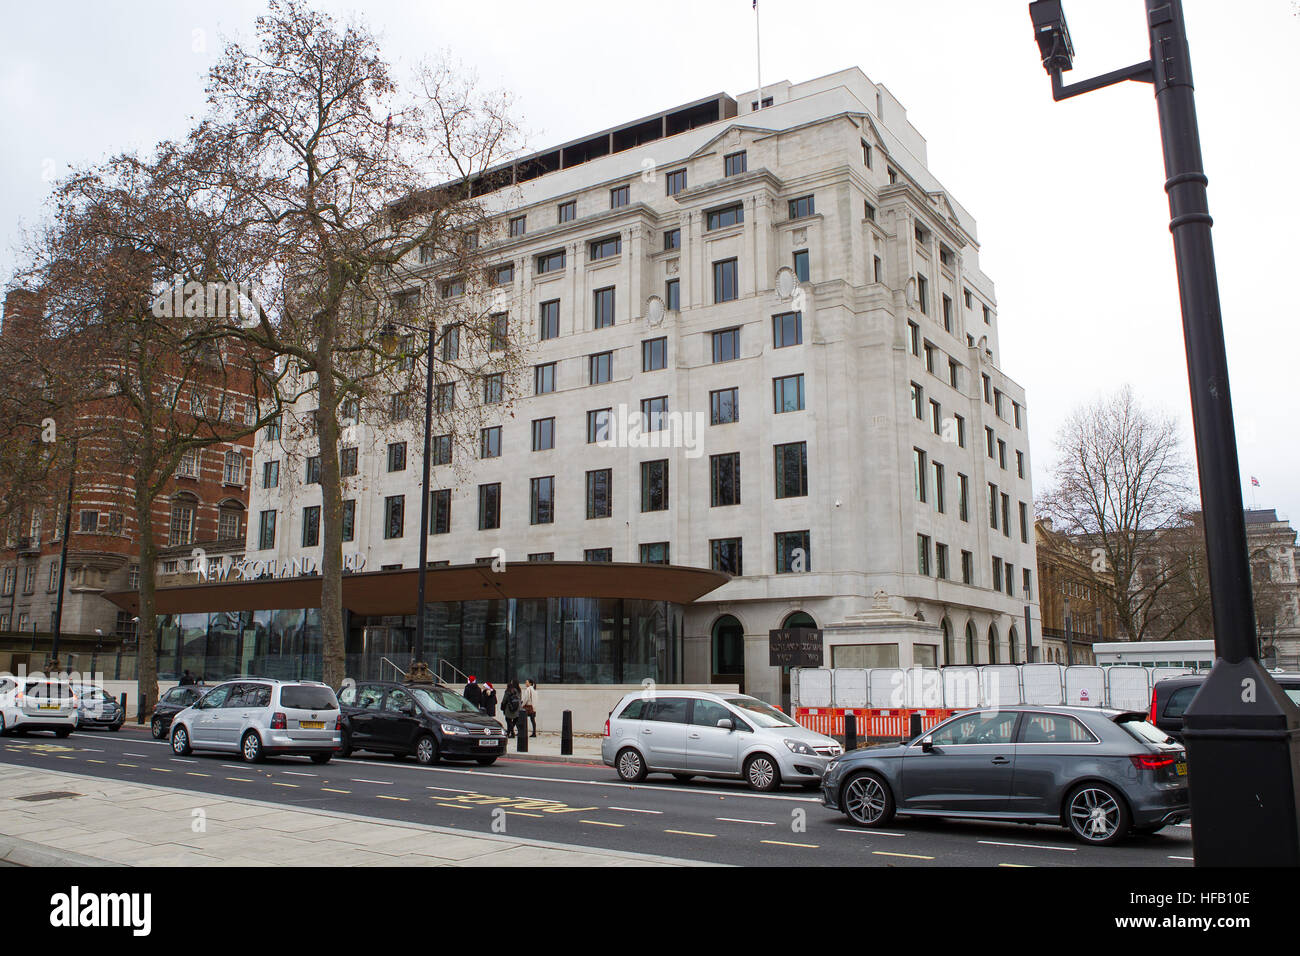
[1253, 480]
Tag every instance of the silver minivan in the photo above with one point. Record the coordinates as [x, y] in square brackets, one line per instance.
[697, 733]
[261, 716]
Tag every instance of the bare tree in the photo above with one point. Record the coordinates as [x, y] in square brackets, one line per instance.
[1121, 481]
[360, 207]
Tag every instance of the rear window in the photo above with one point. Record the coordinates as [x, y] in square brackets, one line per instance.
[49, 689]
[635, 710]
[307, 697]
[1179, 700]
[1140, 729]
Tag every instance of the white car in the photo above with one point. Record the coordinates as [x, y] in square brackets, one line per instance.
[35, 703]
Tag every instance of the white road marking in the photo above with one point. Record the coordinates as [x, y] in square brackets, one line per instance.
[635, 810]
[297, 773]
[451, 789]
[382, 783]
[869, 832]
[740, 794]
[1191, 858]
[760, 823]
[1031, 846]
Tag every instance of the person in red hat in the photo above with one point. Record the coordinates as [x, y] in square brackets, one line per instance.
[473, 693]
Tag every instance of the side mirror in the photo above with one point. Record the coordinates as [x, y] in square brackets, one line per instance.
[409, 710]
[927, 745]
[726, 724]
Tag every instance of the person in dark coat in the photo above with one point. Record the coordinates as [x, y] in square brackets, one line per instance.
[187, 679]
[489, 703]
[473, 692]
[511, 707]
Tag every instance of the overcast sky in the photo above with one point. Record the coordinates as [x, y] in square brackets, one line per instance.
[1073, 220]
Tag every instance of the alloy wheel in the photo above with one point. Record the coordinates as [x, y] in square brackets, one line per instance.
[865, 800]
[762, 773]
[1095, 814]
[629, 765]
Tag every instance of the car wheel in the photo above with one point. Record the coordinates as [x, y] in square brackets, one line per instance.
[251, 747]
[180, 741]
[4, 728]
[321, 758]
[762, 772]
[683, 777]
[345, 745]
[486, 761]
[867, 800]
[426, 751]
[114, 727]
[156, 728]
[630, 766]
[1097, 814]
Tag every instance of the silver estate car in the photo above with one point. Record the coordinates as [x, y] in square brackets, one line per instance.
[261, 716]
[1102, 773]
[35, 703]
[695, 733]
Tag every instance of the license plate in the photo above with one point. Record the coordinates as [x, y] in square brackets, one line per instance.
[312, 724]
[47, 707]
[487, 743]
[1181, 767]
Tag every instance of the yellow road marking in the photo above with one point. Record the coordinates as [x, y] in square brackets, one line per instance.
[454, 806]
[128, 765]
[160, 770]
[600, 823]
[275, 784]
[1019, 865]
[63, 756]
[332, 790]
[521, 813]
[810, 846]
[910, 856]
[384, 796]
[96, 761]
[240, 779]
[691, 833]
[195, 773]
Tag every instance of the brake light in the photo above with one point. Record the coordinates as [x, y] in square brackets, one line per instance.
[338, 722]
[278, 721]
[1152, 718]
[1150, 761]
[606, 726]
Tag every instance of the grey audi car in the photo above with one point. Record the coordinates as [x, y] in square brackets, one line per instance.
[1102, 773]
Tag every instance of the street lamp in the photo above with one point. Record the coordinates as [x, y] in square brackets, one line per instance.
[1242, 731]
[1029, 633]
[387, 340]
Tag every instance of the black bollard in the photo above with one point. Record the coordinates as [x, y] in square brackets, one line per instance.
[124, 710]
[523, 734]
[566, 734]
[915, 729]
[850, 731]
[139, 714]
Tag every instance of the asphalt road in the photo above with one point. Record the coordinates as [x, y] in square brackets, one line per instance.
[588, 806]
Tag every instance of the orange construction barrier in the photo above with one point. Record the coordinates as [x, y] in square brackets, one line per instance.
[873, 722]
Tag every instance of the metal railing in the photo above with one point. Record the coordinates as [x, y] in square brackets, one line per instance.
[457, 677]
[398, 673]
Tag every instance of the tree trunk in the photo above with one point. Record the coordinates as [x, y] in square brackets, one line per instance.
[333, 643]
[147, 639]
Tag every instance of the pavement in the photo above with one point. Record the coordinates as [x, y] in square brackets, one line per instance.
[52, 818]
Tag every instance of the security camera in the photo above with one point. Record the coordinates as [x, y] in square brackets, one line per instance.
[1052, 35]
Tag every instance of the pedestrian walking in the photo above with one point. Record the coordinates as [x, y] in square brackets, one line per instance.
[473, 693]
[511, 706]
[489, 699]
[528, 701]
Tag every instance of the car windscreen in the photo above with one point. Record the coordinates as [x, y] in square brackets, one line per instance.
[441, 700]
[760, 713]
[308, 697]
[1140, 729]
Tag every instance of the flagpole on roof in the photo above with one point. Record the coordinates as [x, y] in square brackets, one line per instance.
[758, 55]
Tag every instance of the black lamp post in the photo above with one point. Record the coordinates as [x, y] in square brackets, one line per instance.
[1029, 633]
[1242, 732]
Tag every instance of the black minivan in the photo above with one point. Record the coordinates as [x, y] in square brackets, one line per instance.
[1170, 698]
[428, 721]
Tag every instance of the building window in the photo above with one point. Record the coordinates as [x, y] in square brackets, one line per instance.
[1020, 464]
[181, 529]
[619, 196]
[266, 530]
[732, 215]
[725, 555]
[548, 323]
[938, 487]
[598, 555]
[673, 295]
[801, 207]
[349, 523]
[188, 466]
[734, 164]
[923, 554]
[787, 394]
[988, 314]
[348, 461]
[451, 342]
[394, 515]
[1002, 454]
[233, 472]
[228, 524]
[271, 474]
[923, 294]
[913, 338]
[440, 450]
[606, 248]
[444, 397]
[1006, 516]
[791, 464]
[541, 498]
[787, 329]
[541, 556]
[498, 338]
[997, 574]
[793, 552]
[654, 485]
[918, 474]
[672, 239]
[963, 497]
[967, 568]
[724, 479]
[724, 281]
[936, 417]
[311, 526]
[603, 314]
[489, 442]
[676, 181]
[724, 406]
[544, 378]
[1015, 408]
[952, 373]
[1024, 522]
[502, 275]
[941, 561]
[654, 413]
[600, 493]
[450, 289]
[801, 265]
[892, 174]
[655, 553]
[567, 211]
[397, 456]
[398, 411]
[869, 211]
[550, 262]
[866, 154]
[489, 506]
[993, 505]
[918, 402]
[600, 367]
[878, 268]
[543, 434]
[654, 354]
[726, 345]
[273, 429]
[990, 442]
[518, 226]
[988, 390]
[961, 431]
[947, 313]
[598, 425]
[440, 511]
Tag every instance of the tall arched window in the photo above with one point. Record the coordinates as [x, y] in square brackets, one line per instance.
[947, 642]
[181, 528]
[728, 647]
[1013, 638]
[993, 643]
[970, 642]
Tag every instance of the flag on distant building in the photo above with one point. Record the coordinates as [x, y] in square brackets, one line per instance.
[1253, 480]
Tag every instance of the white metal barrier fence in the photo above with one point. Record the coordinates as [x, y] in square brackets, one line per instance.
[959, 687]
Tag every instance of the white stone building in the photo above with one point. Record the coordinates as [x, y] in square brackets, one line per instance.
[798, 285]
